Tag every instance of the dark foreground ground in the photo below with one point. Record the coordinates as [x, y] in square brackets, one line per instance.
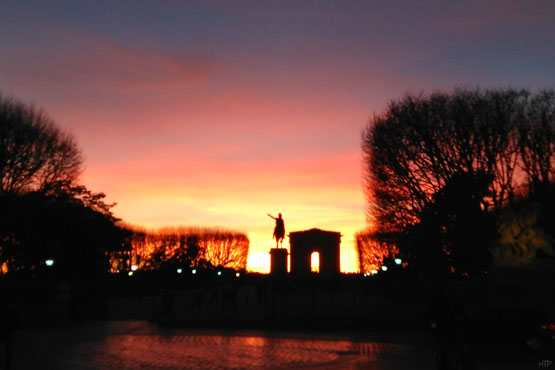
[349, 322]
[130, 345]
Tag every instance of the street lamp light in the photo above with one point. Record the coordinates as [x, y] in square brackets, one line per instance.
[49, 262]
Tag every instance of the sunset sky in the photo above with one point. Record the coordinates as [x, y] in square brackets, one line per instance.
[214, 113]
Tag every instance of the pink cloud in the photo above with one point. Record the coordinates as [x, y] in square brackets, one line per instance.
[85, 62]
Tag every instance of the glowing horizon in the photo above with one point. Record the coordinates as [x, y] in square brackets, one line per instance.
[338, 207]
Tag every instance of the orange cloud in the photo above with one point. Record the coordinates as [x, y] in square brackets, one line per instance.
[100, 65]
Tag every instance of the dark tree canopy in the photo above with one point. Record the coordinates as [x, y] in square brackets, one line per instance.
[453, 234]
[536, 139]
[44, 212]
[34, 153]
[443, 161]
[36, 227]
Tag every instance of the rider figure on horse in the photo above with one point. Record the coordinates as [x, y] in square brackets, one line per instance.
[279, 230]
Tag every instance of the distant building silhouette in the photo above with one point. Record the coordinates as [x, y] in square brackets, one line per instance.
[304, 243]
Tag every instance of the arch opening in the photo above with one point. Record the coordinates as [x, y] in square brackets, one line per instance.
[315, 262]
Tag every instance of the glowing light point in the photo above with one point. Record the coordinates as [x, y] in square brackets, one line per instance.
[194, 271]
[49, 262]
[237, 274]
[374, 272]
[398, 261]
[134, 268]
[130, 273]
[384, 268]
[219, 273]
[179, 271]
[117, 271]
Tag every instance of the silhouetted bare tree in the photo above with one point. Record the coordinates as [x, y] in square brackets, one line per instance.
[373, 250]
[225, 249]
[537, 143]
[421, 145]
[44, 213]
[34, 153]
[188, 247]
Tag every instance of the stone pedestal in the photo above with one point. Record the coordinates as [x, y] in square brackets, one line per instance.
[278, 261]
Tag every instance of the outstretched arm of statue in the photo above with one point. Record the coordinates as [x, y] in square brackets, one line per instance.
[275, 218]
